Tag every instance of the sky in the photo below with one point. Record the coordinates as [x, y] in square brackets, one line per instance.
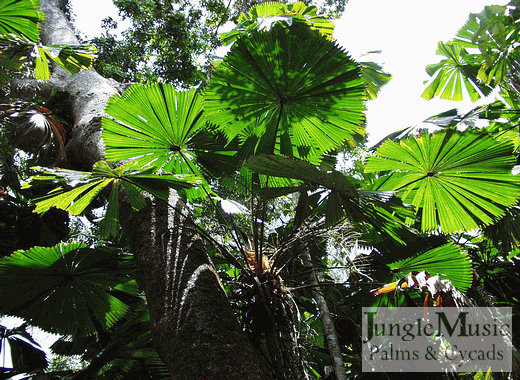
[406, 31]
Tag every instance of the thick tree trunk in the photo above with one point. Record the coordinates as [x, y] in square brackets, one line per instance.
[89, 93]
[193, 326]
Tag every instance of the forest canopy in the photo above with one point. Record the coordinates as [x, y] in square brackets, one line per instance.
[171, 221]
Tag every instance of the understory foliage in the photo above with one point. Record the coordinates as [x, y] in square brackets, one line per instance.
[254, 154]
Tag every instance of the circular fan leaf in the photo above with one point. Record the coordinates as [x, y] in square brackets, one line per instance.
[459, 180]
[63, 289]
[287, 90]
[446, 260]
[160, 126]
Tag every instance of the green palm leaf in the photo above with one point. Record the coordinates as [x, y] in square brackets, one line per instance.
[280, 166]
[87, 186]
[505, 232]
[459, 180]
[64, 289]
[21, 18]
[453, 74]
[495, 34]
[160, 126]
[15, 52]
[125, 352]
[289, 90]
[375, 78]
[447, 260]
[71, 59]
[345, 198]
[20, 32]
[262, 16]
[13, 55]
[19, 29]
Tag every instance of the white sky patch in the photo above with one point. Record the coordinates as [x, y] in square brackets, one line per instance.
[233, 207]
[407, 32]
[89, 14]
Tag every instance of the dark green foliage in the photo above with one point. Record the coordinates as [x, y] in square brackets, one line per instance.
[165, 42]
[289, 90]
[66, 289]
[482, 56]
[171, 41]
[21, 228]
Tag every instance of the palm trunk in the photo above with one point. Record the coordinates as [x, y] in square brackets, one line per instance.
[328, 324]
[193, 326]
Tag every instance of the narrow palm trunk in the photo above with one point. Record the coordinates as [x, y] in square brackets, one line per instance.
[328, 326]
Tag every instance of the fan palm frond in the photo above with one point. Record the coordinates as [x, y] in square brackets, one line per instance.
[165, 128]
[65, 289]
[35, 131]
[87, 186]
[452, 177]
[288, 90]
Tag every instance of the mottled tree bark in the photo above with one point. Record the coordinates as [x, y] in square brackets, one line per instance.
[88, 91]
[193, 326]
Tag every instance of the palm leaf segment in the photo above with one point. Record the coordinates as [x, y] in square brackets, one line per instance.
[453, 75]
[19, 34]
[70, 58]
[35, 130]
[125, 351]
[375, 78]
[21, 18]
[371, 208]
[289, 90]
[446, 260]
[262, 16]
[460, 181]
[158, 126]
[87, 186]
[19, 29]
[494, 34]
[64, 289]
